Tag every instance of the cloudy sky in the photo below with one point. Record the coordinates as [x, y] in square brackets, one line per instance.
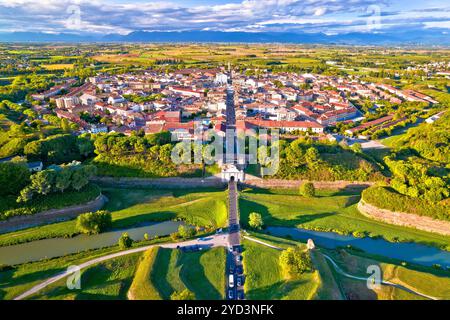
[125, 16]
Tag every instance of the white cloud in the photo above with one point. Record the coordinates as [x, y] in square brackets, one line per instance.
[102, 16]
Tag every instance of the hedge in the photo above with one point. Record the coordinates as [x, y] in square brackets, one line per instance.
[10, 208]
[387, 198]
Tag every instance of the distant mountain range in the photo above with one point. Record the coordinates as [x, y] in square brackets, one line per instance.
[424, 37]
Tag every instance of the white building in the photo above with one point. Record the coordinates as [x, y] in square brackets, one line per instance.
[230, 172]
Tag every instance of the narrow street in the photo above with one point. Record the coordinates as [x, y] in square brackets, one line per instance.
[235, 270]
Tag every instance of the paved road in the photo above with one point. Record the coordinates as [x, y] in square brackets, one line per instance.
[234, 257]
[209, 242]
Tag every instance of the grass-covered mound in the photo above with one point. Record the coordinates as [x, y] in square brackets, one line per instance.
[109, 280]
[202, 273]
[265, 279]
[386, 198]
[330, 211]
[131, 207]
[142, 287]
[324, 161]
[426, 280]
[10, 208]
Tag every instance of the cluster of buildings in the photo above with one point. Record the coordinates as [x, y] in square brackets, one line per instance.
[185, 99]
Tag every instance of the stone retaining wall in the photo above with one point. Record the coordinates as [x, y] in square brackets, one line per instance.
[51, 216]
[405, 219]
[181, 183]
[276, 183]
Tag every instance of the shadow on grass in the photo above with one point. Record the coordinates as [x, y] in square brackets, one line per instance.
[143, 219]
[160, 273]
[7, 278]
[277, 291]
[194, 277]
[247, 207]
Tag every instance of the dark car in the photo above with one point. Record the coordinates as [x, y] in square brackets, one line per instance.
[230, 294]
[239, 270]
[232, 269]
[240, 295]
[239, 281]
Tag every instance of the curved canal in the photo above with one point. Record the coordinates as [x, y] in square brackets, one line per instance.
[403, 251]
[52, 248]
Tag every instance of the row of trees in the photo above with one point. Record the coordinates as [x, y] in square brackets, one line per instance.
[310, 160]
[45, 182]
[60, 148]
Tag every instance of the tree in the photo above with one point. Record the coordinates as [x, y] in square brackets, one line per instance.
[312, 157]
[357, 148]
[94, 222]
[125, 241]
[43, 182]
[183, 295]
[186, 232]
[63, 179]
[82, 175]
[307, 189]
[65, 125]
[255, 221]
[294, 262]
[14, 176]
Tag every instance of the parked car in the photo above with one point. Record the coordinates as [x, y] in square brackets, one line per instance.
[231, 281]
[239, 270]
[239, 281]
[230, 294]
[240, 295]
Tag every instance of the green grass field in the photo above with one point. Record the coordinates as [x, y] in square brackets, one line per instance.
[264, 279]
[326, 212]
[142, 287]
[153, 275]
[106, 281]
[203, 273]
[421, 279]
[131, 207]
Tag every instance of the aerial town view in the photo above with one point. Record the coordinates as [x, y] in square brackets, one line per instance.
[218, 163]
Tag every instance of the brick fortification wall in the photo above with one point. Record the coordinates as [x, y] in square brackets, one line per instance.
[51, 216]
[405, 219]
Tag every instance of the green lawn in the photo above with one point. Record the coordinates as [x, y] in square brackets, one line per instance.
[327, 212]
[203, 273]
[142, 287]
[109, 280]
[132, 207]
[425, 280]
[264, 279]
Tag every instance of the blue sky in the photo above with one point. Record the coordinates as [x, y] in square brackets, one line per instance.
[125, 16]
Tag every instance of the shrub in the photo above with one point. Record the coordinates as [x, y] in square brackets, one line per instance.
[186, 232]
[125, 241]
[308, 190]
[183, 295]
[94, 222]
